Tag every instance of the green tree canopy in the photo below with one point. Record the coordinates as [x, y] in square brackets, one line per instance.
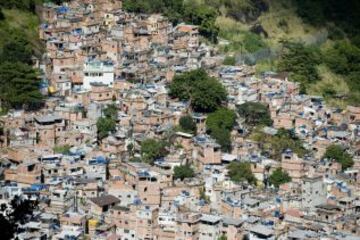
[222, 237]
[2, 16]
[219, 125]
[223, 138]
[111, 111]
[104, 126]
[183, 171]
[255, 113]
[240, 172]
[19, 86]
[300, 62]
[345, 14]
[279, 177]
[205, 93]
[204, 16]
[343, 58]
[230, 60]
[275, 145]
[188, 124]
[339, 154]
[152, 149]
[16, 49]
[222, 118]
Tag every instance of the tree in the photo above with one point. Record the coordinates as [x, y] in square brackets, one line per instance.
[223, 138]
[222, 118]
[203, 195]
[107, 123]
[208, 95]
[300, 62]
[152, 149]
[279, 177]
[344, 14]
[253, 42]
[204, 16]
[276, 144]
[205, 93]
[188, 124]
[16, 49]
[2, 17]
[19, 86]
[222, 237]
[104, 126]
[19, 212]
[130, 149]
[111, 111]
[219, 125]
[240, 172]
[230, 60]
[180, 11]
[337, 153]
[255, 114]
[183, 171]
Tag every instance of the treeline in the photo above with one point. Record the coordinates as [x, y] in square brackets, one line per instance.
[344, 14]
[179, 11]
[26, 5]
[341, 57]
[18, 80]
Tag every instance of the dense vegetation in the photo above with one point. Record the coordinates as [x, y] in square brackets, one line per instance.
[17, 213]
[241, 172]
[205, 93]
[275, 145]
[300, 62]
[19, 86]
[183, 171]
[152, 149]
[338, 153]
[187, 124]
[107, 123]
[340, 57]
[19, 81]
[255, 113]
[180, 11]
[344, 14]
[279, 177]
[219, 125]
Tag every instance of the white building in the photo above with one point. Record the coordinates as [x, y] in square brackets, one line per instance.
[209, 228]
[98, 72]
[313, 192]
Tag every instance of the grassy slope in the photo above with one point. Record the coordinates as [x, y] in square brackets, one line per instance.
[25, 22]
[281, 22]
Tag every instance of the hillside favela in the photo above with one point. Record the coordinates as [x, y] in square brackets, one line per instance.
[180, 119]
